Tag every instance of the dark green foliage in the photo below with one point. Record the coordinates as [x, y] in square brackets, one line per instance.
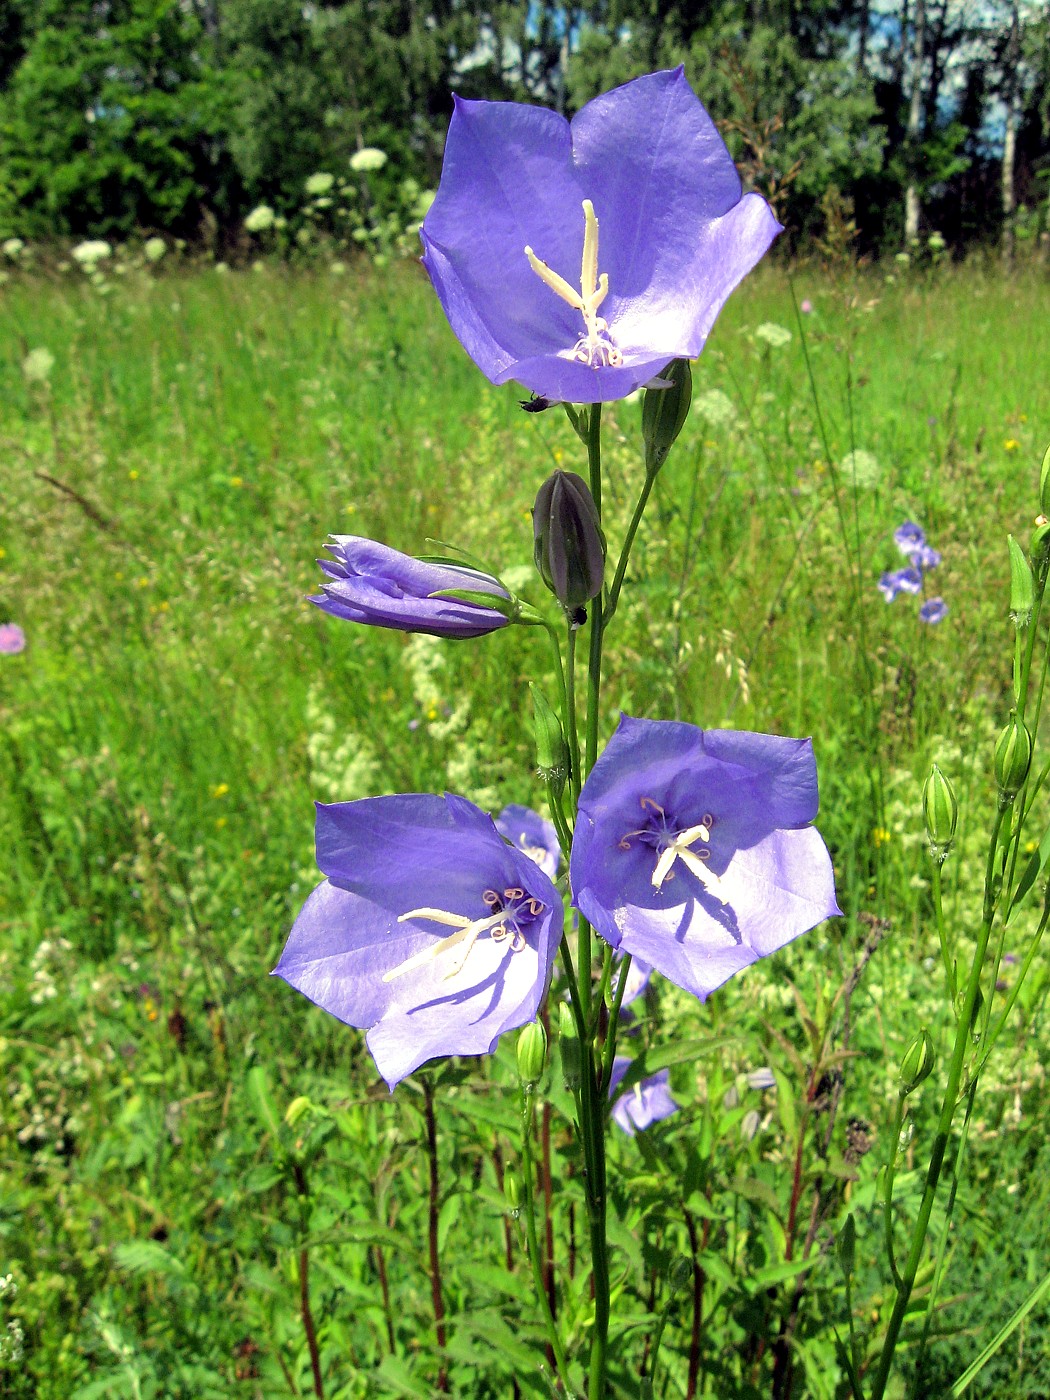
[158, 114]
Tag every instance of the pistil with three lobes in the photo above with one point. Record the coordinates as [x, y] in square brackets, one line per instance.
[594, 348]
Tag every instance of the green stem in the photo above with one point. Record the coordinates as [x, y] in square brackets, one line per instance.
[572, 733]
[535, 1258]
[628, 542]
[614, 1022]
[942, 932]
[887, 1198]
[942, 1249]
[944, 1122]
[1029, 957]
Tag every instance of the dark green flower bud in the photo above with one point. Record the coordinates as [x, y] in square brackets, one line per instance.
[941, 812]
[512, 1189]
[532, 1053]
[917, 1064]
[571, 1057]
[1044, 484]
[664, 412]
[569, 547]
[681, 1274]
[552, 752]
[1013, 758]
[1022, 586]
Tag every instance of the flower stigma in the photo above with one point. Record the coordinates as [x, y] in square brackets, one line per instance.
[672, 845]
[595, 348]
[509, 911]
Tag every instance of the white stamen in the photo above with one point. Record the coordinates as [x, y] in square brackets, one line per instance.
[467, 931]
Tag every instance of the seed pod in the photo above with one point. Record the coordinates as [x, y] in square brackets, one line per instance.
[918, 1062]
[1013, 758]
[1022, 586]
[552, 752]
[940, 809]
[532, 1053]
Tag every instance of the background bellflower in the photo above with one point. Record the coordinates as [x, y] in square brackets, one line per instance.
[580, 257]
[644, 1103]
[694, 851]
[533, 834]
[431, 932]
[372, 583]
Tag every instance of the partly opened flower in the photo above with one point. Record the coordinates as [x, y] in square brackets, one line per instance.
[533, 834]
[369, 582]
[430, 932]
[693, 849]
[531, 287]
[643, 1103]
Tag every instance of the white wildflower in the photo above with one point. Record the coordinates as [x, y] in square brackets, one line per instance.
[38, 364]
[368, 158]
[860, 468]
[260, 219]
[92, 251]
[772, 334]
[715, 408]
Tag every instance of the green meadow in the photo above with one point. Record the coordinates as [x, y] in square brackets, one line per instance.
[206, 1189]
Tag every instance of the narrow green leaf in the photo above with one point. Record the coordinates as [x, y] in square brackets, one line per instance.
[1003, 1335]
[1033, 869]
[262, 1097]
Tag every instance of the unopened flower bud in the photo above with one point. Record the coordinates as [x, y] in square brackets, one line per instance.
[1044, 484]
[917, 1064]
[532, 1053]
[552, 752]
[681, 1274]
[569, 547]
[664, 412]
[1022, 586]
[1013, 758]
[571, 1058]
[512, 1189]
[940, 809]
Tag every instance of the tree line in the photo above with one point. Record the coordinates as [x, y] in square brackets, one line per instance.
[887, 119]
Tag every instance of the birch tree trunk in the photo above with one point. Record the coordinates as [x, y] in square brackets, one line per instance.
[911, 194]
[1010, 133]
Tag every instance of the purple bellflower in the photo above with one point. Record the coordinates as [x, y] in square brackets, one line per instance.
[923, 557]
[533, 834]
[372, 583]
[643, 1103]
[693, 849]
[900, 581]
[12, 639]
[909, 537]
[431, 932]
[512, 245]
[933, 610]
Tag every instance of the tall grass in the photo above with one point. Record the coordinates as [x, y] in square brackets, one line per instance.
[179, 705]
